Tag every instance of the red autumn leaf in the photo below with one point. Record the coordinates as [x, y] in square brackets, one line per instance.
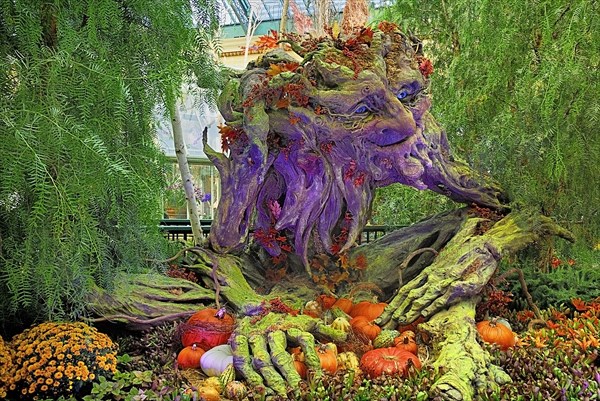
[425, 66]
[360, 262]
[283, 103]
[366, 35]
[229, 136]
[290, 66]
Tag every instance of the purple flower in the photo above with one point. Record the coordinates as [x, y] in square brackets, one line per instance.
[206, 197]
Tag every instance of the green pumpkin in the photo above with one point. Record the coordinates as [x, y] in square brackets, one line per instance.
[236, 391]
[227, 376]
[385, 338]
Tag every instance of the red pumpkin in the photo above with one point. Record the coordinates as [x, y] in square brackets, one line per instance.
[326, 301]
[406, 341]
[328, 355]
[364, 328]
[370, 310]
[496, 333]
[189, 357]
[391, 361]
[344, 304]
[208, 328]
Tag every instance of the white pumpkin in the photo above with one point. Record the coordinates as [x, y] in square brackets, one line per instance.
[215, 360]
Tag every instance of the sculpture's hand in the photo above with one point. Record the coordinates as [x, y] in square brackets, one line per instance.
[460, 271]
[466, 264]
[260, 348]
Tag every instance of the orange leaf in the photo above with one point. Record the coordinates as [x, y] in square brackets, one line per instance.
[268, 41]
[274, 69]
[579, 304]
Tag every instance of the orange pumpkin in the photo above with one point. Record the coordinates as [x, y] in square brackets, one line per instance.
[328, 355]
[208, 328]
[391, 361]
[406, 341]
[189, 357]
[326, 301]
[344, 304]
[370, 310]
[300, 368]
[496, 333]
[364, 328]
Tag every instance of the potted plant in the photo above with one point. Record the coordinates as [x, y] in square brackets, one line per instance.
[175, 204]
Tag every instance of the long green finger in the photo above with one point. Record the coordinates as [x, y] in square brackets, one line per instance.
[262, 362]
[242, 361]
[281, 358]
[307, 343]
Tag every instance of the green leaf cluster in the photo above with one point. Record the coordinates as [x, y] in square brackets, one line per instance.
[516, 86]
[81, 175]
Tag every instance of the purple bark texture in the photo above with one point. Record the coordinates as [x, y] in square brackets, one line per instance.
[310, 143]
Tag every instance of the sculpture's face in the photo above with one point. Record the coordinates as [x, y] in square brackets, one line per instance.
[378, 118]
[322, 137]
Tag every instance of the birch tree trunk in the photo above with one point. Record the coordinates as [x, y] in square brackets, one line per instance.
[186, 175]
[254, 21]
[284, 16]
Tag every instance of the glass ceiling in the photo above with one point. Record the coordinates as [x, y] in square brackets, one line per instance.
[235, 12]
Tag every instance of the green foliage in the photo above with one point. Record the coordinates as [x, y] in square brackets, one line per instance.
[545, 374]
[131, 386]
[400, 205]
[561, 285]
[81, 174]
[516, 86]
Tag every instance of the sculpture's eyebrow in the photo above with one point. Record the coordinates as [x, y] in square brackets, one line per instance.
[343, 98]
[412, 85]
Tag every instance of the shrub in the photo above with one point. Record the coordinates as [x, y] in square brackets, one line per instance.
[53, 359]
[5, 367]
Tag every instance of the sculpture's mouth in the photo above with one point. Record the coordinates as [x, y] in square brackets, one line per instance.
[388, 138]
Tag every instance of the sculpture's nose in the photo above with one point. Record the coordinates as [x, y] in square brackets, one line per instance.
[396, 129]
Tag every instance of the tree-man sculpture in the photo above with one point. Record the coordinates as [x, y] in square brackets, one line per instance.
[307, 144]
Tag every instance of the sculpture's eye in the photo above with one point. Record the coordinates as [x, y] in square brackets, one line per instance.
[402, 94]
[361, 109]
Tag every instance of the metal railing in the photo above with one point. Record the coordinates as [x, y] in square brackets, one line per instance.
[181, 229]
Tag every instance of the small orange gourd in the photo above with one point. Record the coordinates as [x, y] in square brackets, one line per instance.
[491, 331]
[328, 355]
[189, 357]
[406, 341]
[364, 328]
